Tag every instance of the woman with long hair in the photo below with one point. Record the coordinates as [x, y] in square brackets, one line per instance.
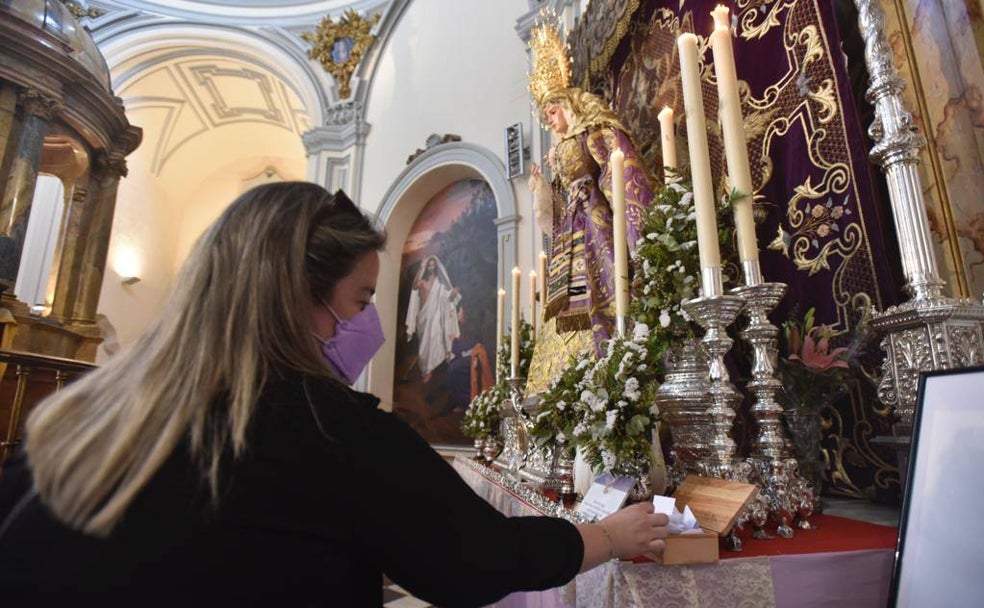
[224, 460]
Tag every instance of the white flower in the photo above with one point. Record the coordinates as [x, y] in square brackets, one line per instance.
[631, 390]
[561, 405]
[610, 418]
[640, 333]
[608, 459]
[561, 438]
[664, 318]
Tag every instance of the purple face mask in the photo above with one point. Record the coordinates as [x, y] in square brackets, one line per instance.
[354, 344]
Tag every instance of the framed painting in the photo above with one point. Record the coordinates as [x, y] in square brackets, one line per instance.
[446, 312]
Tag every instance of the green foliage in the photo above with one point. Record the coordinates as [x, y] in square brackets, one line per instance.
[554, 424]
[667, 265]
[483, 415]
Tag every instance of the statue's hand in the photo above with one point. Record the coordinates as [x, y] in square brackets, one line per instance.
[535, 178]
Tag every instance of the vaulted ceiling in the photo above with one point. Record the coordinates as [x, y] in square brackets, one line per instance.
[214, 83]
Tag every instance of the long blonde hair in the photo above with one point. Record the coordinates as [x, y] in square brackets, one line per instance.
[239, 315]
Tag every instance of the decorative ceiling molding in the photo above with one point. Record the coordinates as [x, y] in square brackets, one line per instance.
[264, 13]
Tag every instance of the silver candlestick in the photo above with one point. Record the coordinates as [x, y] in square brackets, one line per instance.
[715, 314]
[777, 471]
[514, 437]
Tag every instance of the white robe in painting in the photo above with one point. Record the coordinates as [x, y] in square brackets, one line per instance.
[433, 315]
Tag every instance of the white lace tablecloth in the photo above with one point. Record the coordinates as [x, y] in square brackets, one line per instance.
[856, 578]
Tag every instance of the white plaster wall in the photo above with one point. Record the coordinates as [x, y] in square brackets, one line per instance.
[145, 231]
[451, 66]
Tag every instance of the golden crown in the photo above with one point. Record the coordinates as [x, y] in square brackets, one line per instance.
[551, 65]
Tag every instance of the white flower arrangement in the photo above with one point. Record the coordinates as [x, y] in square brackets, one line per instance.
[614, 414]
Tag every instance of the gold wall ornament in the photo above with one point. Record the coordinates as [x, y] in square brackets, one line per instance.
[551, 71]
[82, 12]
[339, 46]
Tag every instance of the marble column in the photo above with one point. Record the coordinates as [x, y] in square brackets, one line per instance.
[8, 119]
[18, 193]
[93, 236]
[77, 220]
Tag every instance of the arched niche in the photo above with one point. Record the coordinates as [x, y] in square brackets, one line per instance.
[67, 160]
[424, 177]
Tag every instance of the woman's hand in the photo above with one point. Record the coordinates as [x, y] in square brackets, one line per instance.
[625, 534]
[636, 530]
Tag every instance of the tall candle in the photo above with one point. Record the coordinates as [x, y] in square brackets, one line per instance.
[514, 354]
[619, 245]
[533, 299]
[667, 137]
[500, 319]
[700, 161]
[733, 130]
[543, 283]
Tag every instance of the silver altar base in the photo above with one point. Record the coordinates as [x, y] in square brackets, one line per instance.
[715, 314]
[538, 460]
[925, 335]
[777, 473]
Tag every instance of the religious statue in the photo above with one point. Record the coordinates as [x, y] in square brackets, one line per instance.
[575, 209]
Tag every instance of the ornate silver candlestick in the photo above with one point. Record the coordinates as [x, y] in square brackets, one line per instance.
[715, 314]
[514, 436]
[779, 480]
[682, 397]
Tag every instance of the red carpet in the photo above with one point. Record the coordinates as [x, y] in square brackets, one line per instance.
[831, 533]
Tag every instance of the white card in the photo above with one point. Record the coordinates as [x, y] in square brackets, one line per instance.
[664, 504]
[605, 496]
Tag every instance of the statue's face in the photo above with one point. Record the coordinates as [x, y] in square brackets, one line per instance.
[556, 118]
[431, 265]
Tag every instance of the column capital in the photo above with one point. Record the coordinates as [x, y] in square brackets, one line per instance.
[36, 103]
[110, 164]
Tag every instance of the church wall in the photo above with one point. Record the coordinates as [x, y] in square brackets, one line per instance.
[450, 67]
[142, 244]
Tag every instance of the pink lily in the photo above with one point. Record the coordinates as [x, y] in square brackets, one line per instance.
[816, 354]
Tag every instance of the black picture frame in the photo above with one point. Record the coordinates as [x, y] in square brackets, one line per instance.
[939, 559]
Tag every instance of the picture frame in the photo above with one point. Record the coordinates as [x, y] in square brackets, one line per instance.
[938, 557]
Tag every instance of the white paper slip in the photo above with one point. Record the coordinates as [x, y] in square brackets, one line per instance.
[605, 496]
[664, 504]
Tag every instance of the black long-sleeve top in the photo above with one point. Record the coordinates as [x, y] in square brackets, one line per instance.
[331, 494]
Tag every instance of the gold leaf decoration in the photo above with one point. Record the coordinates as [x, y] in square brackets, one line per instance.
[339, 46]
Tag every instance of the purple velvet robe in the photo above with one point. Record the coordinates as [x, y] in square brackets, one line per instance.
[581, 280]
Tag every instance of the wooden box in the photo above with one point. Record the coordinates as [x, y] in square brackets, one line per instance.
[716, 504]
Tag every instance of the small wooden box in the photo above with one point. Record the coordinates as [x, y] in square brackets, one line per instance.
[716, 504]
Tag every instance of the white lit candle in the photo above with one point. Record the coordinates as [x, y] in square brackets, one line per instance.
[533, 300]
[500, 319]
[514, 355]
[543, 283]
[733, 131]
[667, 137]
[700, 161]
[619, 245]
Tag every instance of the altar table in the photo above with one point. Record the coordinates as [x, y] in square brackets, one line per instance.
[856, 578]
